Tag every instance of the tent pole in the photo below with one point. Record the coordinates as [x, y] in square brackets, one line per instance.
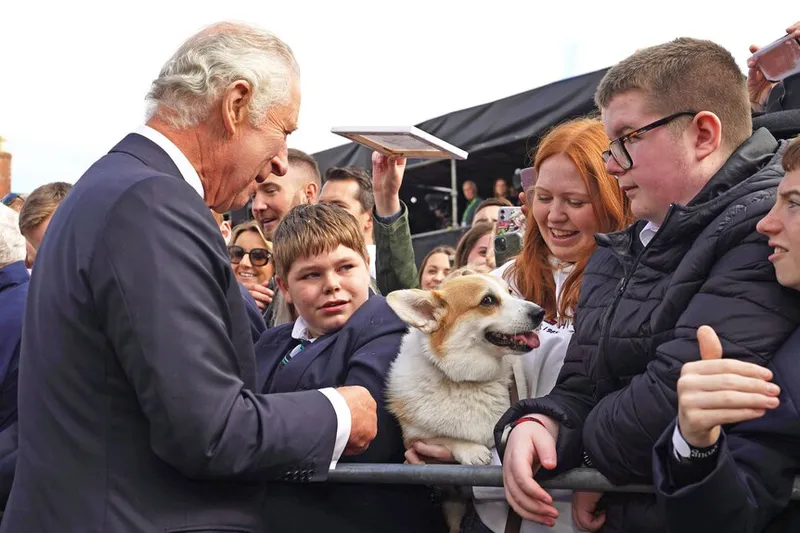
[454, 191]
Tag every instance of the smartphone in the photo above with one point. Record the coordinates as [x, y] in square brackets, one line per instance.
[780, 59]
[510, 219]
[506, 247]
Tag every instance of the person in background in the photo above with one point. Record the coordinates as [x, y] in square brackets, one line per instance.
[728, 462]
[436, 266]
[501, 189]
[699, 179]
[488, 210]
[13, 200]
[475, 247]
[251, 254]
[470, 191]
[351, 189]
[36, 212]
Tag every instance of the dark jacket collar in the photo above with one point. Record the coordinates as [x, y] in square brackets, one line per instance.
[13, 274]
[741, 174]
[148, 153]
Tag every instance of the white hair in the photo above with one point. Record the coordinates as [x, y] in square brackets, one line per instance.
[193, 79]
[12, 243]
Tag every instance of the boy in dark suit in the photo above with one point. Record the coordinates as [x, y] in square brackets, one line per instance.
[344, 335]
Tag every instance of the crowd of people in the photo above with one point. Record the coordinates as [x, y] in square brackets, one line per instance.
[161, 370]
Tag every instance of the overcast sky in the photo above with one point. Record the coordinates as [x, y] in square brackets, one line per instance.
[74, 74]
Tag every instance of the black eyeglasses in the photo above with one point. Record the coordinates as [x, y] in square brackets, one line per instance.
[258, 256]
[617, 148]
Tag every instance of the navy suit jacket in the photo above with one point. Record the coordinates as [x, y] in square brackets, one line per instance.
[748, 488]
[257, 324]
[137, 379]
[361, 353]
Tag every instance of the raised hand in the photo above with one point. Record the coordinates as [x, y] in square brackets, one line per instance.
[387, 177]
[716, 391]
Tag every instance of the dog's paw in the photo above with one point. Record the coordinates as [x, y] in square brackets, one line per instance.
[469, 453]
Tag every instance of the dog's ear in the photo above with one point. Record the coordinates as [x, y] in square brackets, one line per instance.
[417, 308]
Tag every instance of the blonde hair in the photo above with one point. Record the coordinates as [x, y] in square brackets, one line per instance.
[251, 225]
[41, 204]
[314, 229]
[12, 243]
[685, 75]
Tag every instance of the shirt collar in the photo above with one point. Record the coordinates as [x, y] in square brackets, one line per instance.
[300, 330]
[648, 232]
[186, 169]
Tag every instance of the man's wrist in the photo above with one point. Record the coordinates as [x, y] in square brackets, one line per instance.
[686, 452]
[386, 206]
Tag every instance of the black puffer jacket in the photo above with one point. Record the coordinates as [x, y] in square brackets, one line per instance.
[637, 318]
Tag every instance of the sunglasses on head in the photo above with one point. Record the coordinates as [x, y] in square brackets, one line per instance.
[258, 256]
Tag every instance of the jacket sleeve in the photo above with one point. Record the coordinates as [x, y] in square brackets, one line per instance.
[175, 319]
[378, 346]
[569, 402]
[752, 314]
[395, 266]
[754, 471]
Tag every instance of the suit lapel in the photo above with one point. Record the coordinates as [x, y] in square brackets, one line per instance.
[287, 378]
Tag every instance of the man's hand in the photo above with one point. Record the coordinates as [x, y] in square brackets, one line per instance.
[530, 446]
[758, 87]
[260, 293]
[422, 453]
[584, 510]
[716, 391]
[387, 177]
[364, 418]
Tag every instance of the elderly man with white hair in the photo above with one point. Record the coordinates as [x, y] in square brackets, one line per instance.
[137, 370]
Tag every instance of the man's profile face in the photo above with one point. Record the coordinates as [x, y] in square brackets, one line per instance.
[277, 195]
[255, 152]
[661, 172]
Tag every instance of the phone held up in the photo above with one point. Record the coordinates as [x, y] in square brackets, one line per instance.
[780, 59]
[509, 233]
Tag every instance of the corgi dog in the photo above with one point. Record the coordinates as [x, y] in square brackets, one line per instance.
[449, 384]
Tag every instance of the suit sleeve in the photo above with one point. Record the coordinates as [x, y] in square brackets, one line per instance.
[754, 470]
[752, 314]
[369, 367]
[162, 285]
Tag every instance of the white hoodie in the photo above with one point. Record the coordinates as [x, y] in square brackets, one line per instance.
[536, 373]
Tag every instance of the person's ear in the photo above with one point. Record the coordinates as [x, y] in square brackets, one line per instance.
[235, 106]
[284, 289]
[368, 223]
[708, 134]
[225, 229]
[312, 192]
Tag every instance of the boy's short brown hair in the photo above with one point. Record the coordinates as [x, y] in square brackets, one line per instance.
[791, 157]
[313, 229]
[41, 204]
[685, 75]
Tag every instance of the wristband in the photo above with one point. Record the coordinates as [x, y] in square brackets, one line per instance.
[527, 419]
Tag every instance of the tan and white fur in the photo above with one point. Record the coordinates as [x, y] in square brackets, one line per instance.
[449, 384]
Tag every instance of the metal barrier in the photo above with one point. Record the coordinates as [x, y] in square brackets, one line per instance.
[482, 476]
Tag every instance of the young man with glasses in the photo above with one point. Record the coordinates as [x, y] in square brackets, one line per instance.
[698, 180]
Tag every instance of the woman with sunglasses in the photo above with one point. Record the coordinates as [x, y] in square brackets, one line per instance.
[251, 254]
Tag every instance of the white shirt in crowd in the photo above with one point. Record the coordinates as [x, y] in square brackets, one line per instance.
[189, 174]
[535, 373]
[373, 254]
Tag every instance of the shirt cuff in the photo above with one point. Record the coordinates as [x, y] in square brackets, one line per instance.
[679, 445]
[343, 422]
[388, 221]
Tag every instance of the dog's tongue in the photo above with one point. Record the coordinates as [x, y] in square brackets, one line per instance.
[530, 338]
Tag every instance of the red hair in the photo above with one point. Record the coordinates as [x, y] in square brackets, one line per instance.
[583, 141]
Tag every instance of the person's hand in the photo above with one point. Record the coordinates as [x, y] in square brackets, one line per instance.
[363, 416]
[422, 453]
[716, 391]
[260, 293]
[530, 446]
[584, 510]
[759, 87]
[387, 177]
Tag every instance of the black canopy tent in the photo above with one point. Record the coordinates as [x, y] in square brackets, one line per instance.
[498, 136]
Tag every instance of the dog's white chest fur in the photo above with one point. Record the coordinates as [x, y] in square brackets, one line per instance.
[429, 405]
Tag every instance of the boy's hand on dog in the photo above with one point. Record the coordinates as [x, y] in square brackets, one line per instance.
[421, 453]
[530, 446]
[363, 416]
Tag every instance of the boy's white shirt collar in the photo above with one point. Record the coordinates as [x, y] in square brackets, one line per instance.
[300, 331]
[186, 169]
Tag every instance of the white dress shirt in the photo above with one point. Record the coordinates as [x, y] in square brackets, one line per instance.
[373, 255]
[648, 232]
[300, 331]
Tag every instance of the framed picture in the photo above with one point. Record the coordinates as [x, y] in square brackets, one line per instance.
[402, 141]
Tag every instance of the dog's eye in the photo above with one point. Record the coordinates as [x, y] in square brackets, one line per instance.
[488, 300]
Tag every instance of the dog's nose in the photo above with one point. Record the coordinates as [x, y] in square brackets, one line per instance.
[536, 313]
